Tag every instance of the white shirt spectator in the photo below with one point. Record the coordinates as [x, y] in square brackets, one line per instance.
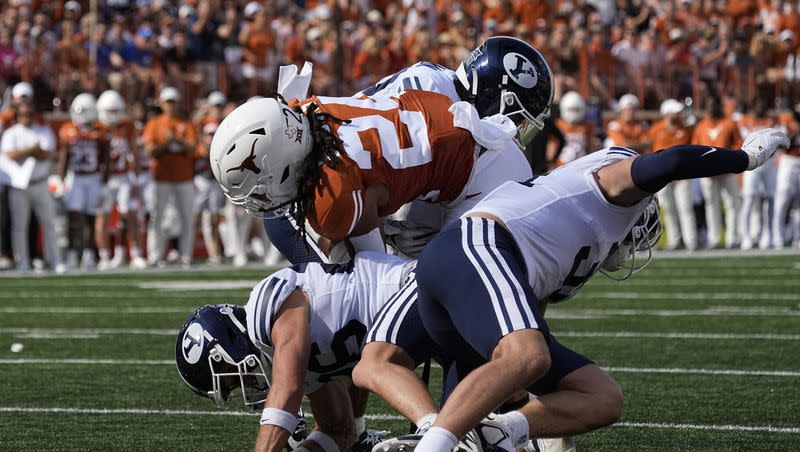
[19, 137]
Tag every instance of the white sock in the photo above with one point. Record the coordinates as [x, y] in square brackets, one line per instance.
[518, 424]
[136, 252]
[437, 439]
[119, 251]
[104, 254]
[361, 425]
[425, 423]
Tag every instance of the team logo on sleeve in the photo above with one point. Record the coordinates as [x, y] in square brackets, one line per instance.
[192, 343]
[520, 69]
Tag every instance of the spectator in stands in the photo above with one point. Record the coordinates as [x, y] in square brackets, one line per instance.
[257, 41]
[29, 143]
[717, 130]
[675, 198]
[579, 136]
[171, 142]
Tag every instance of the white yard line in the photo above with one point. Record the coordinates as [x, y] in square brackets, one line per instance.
[637, 282]
[384, 417]
[694, 295]
[144, 362]
[640, 334]
[107, 294]
[89, 331]
[715, 311]
[736, 372]
[220, 284]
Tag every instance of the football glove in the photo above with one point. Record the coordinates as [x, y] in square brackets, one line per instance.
[761, 146]
[407, 239]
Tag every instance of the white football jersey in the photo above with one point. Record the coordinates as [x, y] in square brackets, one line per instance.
[344, 299]
[562, 223]
[423, 76]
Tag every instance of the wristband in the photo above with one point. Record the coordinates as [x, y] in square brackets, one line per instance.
[280, 418]
[325, 442]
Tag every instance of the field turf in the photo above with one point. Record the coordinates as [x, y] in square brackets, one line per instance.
[707, 352]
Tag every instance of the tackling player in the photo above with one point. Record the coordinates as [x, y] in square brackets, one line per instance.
[83, 150]
[121, 189]
[305, 326]
[505, 260]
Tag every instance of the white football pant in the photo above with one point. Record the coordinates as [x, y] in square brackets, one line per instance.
[717, 191]
[757, 185]
[182, 195]
[676, 200]
[786, 189]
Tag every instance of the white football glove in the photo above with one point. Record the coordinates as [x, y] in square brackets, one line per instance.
[407, 239]
[761, 146]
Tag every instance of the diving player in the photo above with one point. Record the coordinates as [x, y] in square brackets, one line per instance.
[506, 259]
[511, 77]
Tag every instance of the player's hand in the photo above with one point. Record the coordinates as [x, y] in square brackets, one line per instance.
[761, 146]
[408, 239]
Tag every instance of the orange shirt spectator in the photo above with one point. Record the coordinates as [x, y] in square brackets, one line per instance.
[626, 133]
[529, 13]
[664, 134]
[171, 142]
[721, 132]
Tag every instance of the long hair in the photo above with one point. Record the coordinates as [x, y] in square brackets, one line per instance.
[326, 150]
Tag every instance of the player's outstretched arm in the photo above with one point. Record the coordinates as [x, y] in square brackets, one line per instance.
[629, 181]
[292, 342]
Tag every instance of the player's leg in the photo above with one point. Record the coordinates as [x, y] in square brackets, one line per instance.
[73, 201]
[396, 344]
[574, 397]
[93, 190]
[785, 187]
[20, 203]
[749, 198]
[156, 236]
[43, 206]
[666, 199]
[712, 196]
[102, 233]
[732, 202]
[485, 314]
[770, 179]
[685, 206]
[184, 202]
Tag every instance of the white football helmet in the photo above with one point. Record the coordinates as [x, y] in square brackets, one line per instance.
[621, 263]
[111, 107]
[83, 109]
[572, 107]
[628, 101]
[256, 153]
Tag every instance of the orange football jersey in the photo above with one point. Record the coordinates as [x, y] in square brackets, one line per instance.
[626, 134]
[120, 154]
[717, 132]
[749, 124]
[83, 145]
[578, 140]
[406, 143]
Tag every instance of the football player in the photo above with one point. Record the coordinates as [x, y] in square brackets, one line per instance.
[300, 334]
[83, 150]
[578, 133]
[121, 189]
[506, 259]
[503, 75]
[788, 182]
[626, 130]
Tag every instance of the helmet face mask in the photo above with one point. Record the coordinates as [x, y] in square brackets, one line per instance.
[227, 375]
[508, 76]
[621, 262]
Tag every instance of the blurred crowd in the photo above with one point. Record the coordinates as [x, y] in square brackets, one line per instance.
[644, 74]
[655, 49]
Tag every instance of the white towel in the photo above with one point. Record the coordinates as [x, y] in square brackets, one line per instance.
[493, 132]
[292, 85]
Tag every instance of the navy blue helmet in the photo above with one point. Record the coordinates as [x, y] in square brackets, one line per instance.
[214, 356]
[507, 75]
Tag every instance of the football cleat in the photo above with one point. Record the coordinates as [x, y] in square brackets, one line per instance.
[406, 443]
[760, 146]
[368, 439]
[489, 436]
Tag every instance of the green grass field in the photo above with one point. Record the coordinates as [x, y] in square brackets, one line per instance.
[706, 351]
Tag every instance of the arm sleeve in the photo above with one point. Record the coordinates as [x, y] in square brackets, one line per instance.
[652, 172]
